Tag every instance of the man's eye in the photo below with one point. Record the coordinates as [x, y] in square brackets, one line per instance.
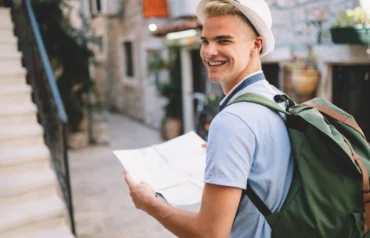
[204, 42]
[224, 41]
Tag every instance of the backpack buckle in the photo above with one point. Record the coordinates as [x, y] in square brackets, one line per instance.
[284, 98]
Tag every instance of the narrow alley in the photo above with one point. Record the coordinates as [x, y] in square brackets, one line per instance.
[103, 207]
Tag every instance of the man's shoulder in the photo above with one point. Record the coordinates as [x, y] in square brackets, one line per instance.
[252, 111]
[249, 112]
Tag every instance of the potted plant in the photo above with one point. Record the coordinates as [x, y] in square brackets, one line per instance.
[71, 58]
[172, 121]
[301, 77]
[351, 27]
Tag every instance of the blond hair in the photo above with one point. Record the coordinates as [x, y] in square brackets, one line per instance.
[216, 8]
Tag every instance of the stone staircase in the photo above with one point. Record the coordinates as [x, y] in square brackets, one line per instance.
[30, 204]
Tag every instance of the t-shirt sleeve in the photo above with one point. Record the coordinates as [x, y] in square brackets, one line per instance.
[231, 146]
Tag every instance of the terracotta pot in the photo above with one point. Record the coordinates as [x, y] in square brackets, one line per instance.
[172, 128]
[78, 140]
[100, 131]
[304, 82]
[100, 128]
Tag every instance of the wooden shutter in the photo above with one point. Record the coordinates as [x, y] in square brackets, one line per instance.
[155, 8]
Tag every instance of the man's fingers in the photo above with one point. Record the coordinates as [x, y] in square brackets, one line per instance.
[144, 183]
[130, 182]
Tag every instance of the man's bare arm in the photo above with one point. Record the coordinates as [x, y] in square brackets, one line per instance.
[214, 220]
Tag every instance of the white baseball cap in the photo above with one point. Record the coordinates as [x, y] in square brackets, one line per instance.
[257, 12]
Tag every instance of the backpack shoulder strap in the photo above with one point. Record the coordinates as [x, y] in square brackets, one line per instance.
[259, 99]
[343, 119]
[264, 101]
[257, 202]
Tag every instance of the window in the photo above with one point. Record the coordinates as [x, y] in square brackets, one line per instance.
[129, 63]
[95, 7]
[101, 44]
[98, 5]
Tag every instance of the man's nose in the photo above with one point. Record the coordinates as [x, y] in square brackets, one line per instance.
[210, 50]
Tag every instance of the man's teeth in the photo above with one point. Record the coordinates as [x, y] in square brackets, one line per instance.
[215, 63]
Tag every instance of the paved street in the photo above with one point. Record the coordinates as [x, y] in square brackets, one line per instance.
[103, 207]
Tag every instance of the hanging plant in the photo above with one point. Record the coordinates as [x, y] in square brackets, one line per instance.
[351, 27]
[68, 50]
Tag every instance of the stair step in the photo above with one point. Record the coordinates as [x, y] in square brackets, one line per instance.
[10, 64]
[20, 89]
[10, 157]
[25, 182]
[9, 47]
[12, 78]
[15, 94]
[30, 213]
[15, 114]
[11, 56]
[7, 36]
[13, 67]
[29, 159]
[34, 195]
[63, 232]
[27, 231]
[21, 135]
[5, 18]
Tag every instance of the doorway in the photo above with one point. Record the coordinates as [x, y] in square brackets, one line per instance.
[351, 92]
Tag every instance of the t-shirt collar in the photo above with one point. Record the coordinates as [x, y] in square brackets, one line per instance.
[231, 91]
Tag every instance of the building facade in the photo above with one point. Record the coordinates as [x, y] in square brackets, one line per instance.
[129, 45]
[296, 25]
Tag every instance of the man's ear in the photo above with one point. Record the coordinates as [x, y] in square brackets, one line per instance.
[258, 44]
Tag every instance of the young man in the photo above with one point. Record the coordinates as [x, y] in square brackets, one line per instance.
[248, 143]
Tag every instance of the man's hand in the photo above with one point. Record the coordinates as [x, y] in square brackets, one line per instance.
[142, 194]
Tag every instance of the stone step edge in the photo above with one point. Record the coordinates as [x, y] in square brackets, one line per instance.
[19, 72]
[11, 157]
[7, 26]
[11, 59]
[20, 131]
[25, 182]
[17, 109]
[22, 88]
[63, 232]
[11, 56]
[31, 212]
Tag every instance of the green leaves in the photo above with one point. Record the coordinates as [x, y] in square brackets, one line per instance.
[352, 17]
[67, 48]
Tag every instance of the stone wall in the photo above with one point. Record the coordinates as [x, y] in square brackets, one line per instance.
[294, 20]
[130, 98]
[134, 96]
[137, 97]
[293, 26]
[106, 72]
[99, 72]
[114, 26]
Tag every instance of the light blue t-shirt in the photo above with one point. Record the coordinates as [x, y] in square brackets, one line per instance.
[250, 143]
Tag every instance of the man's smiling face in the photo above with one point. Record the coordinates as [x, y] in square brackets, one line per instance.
[226, 48]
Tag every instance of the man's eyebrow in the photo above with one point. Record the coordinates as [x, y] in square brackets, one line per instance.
[222, 37]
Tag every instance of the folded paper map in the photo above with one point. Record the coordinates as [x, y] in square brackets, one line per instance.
[175, 169]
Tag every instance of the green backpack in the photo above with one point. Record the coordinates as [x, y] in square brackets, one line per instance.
[330, 194]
